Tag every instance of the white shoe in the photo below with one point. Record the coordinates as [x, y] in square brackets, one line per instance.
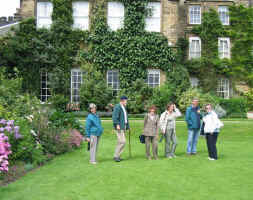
[210, 158]
[94, 163]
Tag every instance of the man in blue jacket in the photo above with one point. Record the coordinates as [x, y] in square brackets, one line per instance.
[192, 118]
[121, 124]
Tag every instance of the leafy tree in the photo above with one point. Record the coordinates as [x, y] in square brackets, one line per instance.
[94, 88]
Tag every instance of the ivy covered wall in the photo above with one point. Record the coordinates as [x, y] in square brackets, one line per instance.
[131, 49]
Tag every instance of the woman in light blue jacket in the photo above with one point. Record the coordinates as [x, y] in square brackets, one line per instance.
[94, 131]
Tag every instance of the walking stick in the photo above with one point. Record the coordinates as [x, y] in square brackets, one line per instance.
[129, 142]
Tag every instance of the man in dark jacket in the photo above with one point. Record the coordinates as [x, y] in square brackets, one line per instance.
[121, 124]
[192, 119]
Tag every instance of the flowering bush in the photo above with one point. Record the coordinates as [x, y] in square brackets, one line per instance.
[4, 152]
[23, 145]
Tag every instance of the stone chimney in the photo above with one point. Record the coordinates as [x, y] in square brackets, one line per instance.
[27, 8]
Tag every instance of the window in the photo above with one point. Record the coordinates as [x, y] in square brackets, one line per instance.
[224, 15]
[113, 80]
[194, 82]
[44, 12]
[153, 22]
[223, 88]
[44, 87]
[81, 15]
[224, 47]
[194, 47]
[76, 81]
[195, 14]
[115, 15]
[153, 79]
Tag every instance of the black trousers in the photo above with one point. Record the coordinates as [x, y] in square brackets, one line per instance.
[211, 140]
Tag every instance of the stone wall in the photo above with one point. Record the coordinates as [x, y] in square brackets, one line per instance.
[27, 8]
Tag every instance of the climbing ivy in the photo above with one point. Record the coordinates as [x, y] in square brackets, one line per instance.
[241, 33]
[130, 49]
[210, 67]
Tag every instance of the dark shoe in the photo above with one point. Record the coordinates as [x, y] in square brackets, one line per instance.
[116, 159]
[194, 154]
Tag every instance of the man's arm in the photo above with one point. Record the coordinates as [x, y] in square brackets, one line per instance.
[187, 116]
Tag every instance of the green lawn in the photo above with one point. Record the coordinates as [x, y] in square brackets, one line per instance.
[71, 177]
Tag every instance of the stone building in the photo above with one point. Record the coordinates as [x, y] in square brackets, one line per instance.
[173, 18]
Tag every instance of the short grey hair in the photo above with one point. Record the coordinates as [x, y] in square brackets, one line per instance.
[92, 105]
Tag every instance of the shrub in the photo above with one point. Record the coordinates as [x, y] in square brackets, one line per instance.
[23, 145]
[50, 130]
[249, 99]
[186, 98]
[161, 97]
[59, 102]
[138, 96]
[94, 89]
[234, 106]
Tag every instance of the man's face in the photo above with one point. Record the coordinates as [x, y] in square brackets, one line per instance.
[123, 102]
[195, 103]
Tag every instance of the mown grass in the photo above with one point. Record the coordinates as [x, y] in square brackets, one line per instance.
[71, 177]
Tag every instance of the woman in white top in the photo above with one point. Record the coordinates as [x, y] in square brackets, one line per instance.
[168, 128]
[212, 126]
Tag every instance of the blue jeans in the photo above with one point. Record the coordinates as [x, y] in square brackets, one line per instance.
[193, 135]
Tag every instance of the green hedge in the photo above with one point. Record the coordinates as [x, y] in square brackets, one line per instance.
[235, 107]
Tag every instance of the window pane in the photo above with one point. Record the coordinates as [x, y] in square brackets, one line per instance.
[113, 79]
[195, 14]
[153, 22]
[76, 82]
[115, 17]
[153, 79]
[115, 9]
[115, 23]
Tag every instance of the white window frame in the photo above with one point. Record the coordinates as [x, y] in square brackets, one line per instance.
[224, 14]
[223, 88]
[111, 83]
[81, 14]
[194, 82]
[195, 14]
[76, 84]
[44, 86]
[115, 20]
[46, 16]
[153, 23]
[154, 73]
[222, 52]
[194, 54]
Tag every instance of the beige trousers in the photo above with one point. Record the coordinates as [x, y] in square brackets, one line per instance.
[94, 141]
[153, 140]
[120, 144]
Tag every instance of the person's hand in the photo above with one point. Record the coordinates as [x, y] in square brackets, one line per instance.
[118, 127]
[88, 139]
[198, 111]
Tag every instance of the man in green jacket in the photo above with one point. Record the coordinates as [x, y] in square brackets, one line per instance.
[121, 124]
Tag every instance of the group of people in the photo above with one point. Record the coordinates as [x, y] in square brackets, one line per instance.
[206, 123]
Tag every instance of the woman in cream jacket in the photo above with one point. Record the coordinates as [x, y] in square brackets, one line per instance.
[212, 126]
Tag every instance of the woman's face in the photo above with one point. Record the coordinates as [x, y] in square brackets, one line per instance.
[152, 111]
[93, 110]
[208, 108]
[171, 108]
